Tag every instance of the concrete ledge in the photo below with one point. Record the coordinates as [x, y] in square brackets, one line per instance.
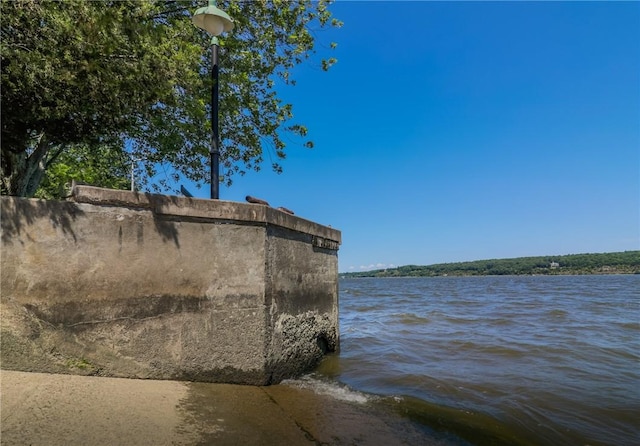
[201, 208]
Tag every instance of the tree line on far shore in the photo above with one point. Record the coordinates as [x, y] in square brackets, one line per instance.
[627, 262]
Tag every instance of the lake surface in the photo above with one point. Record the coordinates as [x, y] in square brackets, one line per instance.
[507, 360]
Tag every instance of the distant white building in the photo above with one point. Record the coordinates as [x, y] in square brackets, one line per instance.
[554, 265]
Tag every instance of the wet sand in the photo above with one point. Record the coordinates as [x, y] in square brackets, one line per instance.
[48, 409]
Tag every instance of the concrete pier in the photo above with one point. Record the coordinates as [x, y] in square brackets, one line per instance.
[125, 284]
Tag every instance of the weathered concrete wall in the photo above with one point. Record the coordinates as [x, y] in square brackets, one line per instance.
[138, 285]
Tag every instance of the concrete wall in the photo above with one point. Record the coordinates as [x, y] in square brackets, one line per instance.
[124, 284]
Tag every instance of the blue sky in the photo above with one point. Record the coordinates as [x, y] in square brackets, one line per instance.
[453, 131]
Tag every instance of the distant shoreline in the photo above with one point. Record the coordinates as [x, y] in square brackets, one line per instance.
[627, 262]
[354, 276]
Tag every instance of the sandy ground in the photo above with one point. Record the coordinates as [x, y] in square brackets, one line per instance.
[47, 409]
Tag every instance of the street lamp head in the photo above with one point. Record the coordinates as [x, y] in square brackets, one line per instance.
[213, 20]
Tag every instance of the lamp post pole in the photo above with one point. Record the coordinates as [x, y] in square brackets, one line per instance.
[133, 178]
[133, 172]
[215, 151]
[215, 22]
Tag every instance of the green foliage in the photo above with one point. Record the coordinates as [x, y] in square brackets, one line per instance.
[606, 263]
[104, 166]
[135, 74]
[78, 363]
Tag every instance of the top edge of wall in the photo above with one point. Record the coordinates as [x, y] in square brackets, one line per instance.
[202, 208]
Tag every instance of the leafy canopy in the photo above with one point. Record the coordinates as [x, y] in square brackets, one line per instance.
[83, 78]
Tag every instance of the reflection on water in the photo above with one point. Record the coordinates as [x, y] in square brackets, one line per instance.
[498, 360]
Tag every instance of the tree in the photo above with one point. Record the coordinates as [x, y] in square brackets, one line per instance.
[134, 74]
[103, 165]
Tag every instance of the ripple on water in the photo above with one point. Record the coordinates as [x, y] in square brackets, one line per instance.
[334, 390]
[409, 319]
[551, 360]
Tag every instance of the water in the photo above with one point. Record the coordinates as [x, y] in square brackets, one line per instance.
[545, 360]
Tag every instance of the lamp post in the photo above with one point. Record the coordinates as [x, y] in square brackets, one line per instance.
[215, 22]
[133, 173]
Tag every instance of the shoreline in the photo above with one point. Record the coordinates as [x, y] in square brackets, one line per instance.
[51, 409]
[563, 274]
